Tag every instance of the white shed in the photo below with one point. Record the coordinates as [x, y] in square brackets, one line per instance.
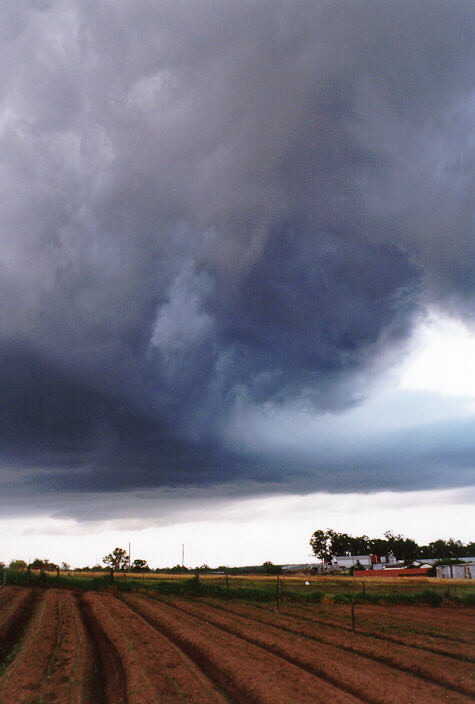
[465, 571]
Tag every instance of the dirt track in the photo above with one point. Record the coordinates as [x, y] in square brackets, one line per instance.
[59, 647]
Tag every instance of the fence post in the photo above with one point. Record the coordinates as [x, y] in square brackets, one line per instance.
[28, 575]
[227, 582]
[364, 588]
[111, 574]
[353, 617]
[277, 593]
[57, 571]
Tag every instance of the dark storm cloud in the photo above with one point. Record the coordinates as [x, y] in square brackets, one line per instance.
[204, 203]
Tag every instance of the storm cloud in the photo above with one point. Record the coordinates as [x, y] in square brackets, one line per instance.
[211, 206]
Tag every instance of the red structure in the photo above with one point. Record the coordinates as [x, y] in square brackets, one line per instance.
[402, 572]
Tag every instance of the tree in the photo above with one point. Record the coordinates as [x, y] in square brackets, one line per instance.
[320, 543]
[178, 568]
[340, 543]
[46, 565]
[378, 546]
[270, 568]
[140, 566]
[65, 566]
[360, 545]
[18, 565]
[328, 543]
[117, 559]
[401, 547]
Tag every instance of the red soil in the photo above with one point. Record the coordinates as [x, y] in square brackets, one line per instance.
[450, 673]
[442, 622]
[12, 601]
[52, 659]
[99, 649]
[250, 674]
[432, 629]
[156, 671]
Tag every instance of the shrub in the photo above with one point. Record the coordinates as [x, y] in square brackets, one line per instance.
[467, 599]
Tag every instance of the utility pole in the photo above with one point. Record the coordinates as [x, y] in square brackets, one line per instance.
[183, 556]
[129, 555]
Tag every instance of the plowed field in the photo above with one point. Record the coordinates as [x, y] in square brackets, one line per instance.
[58, 646]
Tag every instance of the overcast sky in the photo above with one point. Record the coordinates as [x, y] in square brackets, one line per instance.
[237, 265]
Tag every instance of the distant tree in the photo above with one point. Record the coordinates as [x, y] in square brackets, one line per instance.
[44, 565]
[328, 543]
[469, 550]
[339, 543]
[117, 559]
[447, 548]
[378, 546]
[65, 566]
[18, 565]
[321, 544]
[140, 566]
[360, 545]
[270, 568]
[401, 547]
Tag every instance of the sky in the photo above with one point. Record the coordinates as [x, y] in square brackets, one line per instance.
[237, 276]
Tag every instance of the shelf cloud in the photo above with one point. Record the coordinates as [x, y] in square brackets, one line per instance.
[213, 208]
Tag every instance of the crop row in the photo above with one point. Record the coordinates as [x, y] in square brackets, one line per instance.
[59, 646]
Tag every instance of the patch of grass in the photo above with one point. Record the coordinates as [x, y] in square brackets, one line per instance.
[254, 590]
[467, 599]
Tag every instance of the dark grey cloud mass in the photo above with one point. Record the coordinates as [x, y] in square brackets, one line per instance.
[208, 202]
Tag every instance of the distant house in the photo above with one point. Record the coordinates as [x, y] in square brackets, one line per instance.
[344, 562]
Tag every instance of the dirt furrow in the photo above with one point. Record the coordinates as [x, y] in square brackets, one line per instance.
[155, 669]
[455, 625]
[249, 673]
[15, 614]
[24, 674]
[458, 650]
[6, 593]
[51, 662]
[375, 681]
[105, 683]
[456, 676]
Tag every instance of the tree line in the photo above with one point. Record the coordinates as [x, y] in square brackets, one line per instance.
[326, 544]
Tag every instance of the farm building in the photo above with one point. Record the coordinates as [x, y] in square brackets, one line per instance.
[465, 571]
[347, 561]
[370, 561]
